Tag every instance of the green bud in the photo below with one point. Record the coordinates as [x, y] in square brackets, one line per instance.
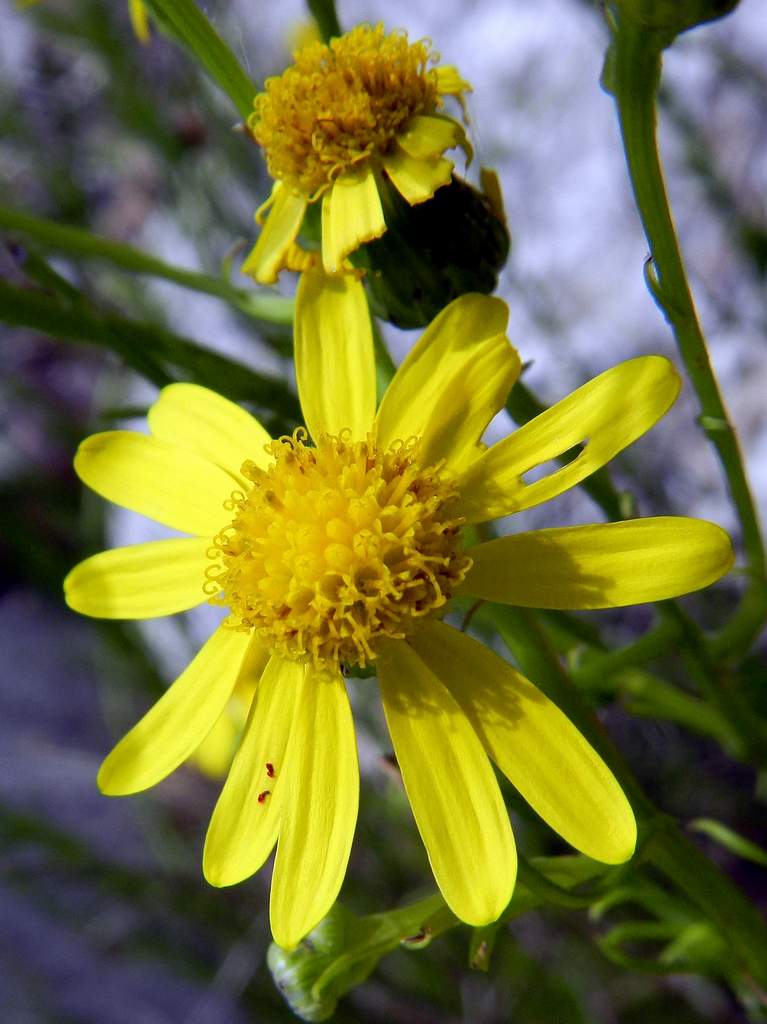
[343, 949]
[431, 253]
[296, 973]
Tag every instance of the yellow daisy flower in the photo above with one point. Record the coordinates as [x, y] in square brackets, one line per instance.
[344, 114]
[346, 550]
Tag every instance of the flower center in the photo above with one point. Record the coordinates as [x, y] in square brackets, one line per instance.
[340, 103]
[337, 548]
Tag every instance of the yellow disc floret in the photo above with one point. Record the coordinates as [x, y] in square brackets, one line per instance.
[340, 103]
[337, 548]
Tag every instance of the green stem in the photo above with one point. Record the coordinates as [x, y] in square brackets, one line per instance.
[184, 21]
[635, 77]
[324, 13]
[77, 242]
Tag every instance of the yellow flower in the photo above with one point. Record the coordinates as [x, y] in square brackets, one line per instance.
[345, 113]
[347, 551]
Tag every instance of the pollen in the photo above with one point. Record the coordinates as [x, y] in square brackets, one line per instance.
[337, 548]
[341, 104]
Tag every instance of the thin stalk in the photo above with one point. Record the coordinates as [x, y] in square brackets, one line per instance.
[635, 77]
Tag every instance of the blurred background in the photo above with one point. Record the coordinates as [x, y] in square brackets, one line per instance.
[104, 914]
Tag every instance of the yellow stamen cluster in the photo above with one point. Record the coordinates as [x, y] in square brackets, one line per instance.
[340, 103]
[337, 548]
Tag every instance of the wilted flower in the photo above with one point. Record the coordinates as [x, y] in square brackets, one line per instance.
[344, 114]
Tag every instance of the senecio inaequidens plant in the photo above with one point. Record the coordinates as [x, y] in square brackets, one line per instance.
[344, 545]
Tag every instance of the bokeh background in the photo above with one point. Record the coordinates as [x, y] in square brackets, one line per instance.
[104, 915]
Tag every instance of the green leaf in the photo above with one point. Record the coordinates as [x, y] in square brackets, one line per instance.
[270, 308]
[730, 840]
[184, 21]
[547, 889]
[154, 352]
[634, 933]
[647, 695]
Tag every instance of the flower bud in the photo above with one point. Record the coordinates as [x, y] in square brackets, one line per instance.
[456, 242]
[298, 973]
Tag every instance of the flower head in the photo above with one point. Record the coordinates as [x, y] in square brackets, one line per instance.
[368, 103]
[337, 547]
[346, 549]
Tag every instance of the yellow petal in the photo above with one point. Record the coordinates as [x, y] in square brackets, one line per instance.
[262, 212]
[243, 829]
[335, 363]
[319, 809]
[140, 582]
[449, 81]
[453, 381]
[351, 214]
[139, 20]
[162, 481]
[415, 179]
[429, 136]
[608, 413]
[179, 721]
[205, 422]
[536, 747]
[451, 787]
[605, 565]
[278, 234]
[214, 755]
